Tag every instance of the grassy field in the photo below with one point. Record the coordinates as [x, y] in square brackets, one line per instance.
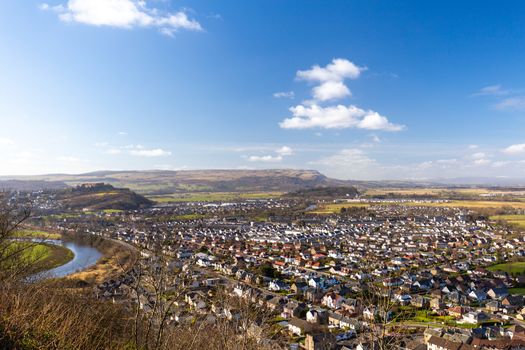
[470, 204]
[188, 217]
[212, 196]
[36, 234]
[517, 267]
[335, 208]
[474, 192]
[40, 256]
[518, 220]
[520, 291]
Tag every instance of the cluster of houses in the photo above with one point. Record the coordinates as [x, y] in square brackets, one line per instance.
[431, 259]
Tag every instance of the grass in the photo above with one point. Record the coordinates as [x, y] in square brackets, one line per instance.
[516, 267]
[112, 211]
[335, 208]
[41, 256]
[426, 316]
[470, 204]
[213, 196]
[36, 234]
[445, 192]
[518, 220]
[188, 217]
[518, 290]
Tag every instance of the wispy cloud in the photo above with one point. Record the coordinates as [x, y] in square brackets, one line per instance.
[155, 152]
[284, 94]
[133, 150]
[125, 14]
[492, 90]
[507, 100]
[511, 103]
[279, 155]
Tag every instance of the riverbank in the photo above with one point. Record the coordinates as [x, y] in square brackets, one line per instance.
[117, 258]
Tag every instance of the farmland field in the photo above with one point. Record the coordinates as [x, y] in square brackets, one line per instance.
[518, 220]
[212, 196]
[517, 267]
[470, 204]
[36, 234]
[335, 208]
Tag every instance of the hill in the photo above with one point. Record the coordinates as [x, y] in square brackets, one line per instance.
[99, 196]
[163, 182]
[158, 182]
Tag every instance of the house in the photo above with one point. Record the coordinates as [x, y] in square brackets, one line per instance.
[275, 303]
[420, 302]
[278, 285]
[493, 305]
[439, 343]
[299, 287]
[320, 341]
[313, 295]
[437, 304]
[478, 295]
[456, 311]
[341, 321]
[316, 282]
[332, 300]
[317, 315]
[474, 317]
[300, 327]
[293, 309]
[497, 293]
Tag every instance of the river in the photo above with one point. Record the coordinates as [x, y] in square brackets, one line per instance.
[85, 256]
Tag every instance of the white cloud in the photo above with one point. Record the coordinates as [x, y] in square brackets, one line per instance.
[265, 159]
[122, 133]
[156, 152]
[330, 79]
[278, 157]
[284, 94]
[123, 14]
[515, 149]
[478, 155]
[338, 70]
[482, 161]
[337, 117]
[134, 150]
[284, 151]
[331, 90]
[473, 146]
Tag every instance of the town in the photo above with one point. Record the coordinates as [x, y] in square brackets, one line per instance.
[377, 274]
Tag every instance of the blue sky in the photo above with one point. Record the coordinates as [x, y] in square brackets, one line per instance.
[355, 89]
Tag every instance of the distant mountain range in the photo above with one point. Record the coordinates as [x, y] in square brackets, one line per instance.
[282, 180]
